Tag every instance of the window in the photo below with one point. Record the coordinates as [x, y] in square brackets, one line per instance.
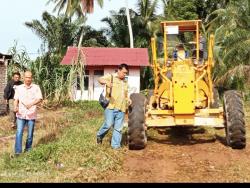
[86, 81]
[78, 83]
[86, 72]
[99, 72]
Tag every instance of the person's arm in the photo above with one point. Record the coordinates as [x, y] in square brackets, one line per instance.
[38, 99]
[16, 101]
[35, 102]
[6, 92]
[129, 102]
[104, 80]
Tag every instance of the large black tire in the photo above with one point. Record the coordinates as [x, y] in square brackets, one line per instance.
[216, 103]
[234, 119]
[137, 138]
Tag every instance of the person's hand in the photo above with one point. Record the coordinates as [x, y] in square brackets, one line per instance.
[15, 109]
[129, 101]
[28, 106]
[109, 84]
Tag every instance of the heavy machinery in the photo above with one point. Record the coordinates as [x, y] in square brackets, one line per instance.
[184, 94]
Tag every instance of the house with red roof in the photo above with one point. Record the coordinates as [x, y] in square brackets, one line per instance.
[101, 61]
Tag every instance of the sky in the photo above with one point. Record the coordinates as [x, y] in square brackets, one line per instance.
[14, 13]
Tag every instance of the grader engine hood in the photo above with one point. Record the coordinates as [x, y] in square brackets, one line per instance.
[183, 88]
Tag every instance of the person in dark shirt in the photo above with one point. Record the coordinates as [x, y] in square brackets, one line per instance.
[203, 47]
[9, 92]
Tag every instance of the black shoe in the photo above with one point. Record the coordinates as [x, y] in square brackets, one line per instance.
[26, 150]
[99, 140]
[15, 155]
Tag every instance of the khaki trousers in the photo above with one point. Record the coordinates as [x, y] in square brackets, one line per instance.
[12, 114]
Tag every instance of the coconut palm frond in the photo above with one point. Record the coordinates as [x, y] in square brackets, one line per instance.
[75, 7]
[237, 71]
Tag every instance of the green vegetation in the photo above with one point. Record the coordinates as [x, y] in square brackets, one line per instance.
[228, 20]
[64, 149]
[231, 26]
[75, 7]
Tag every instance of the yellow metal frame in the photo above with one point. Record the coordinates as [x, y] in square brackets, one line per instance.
[198, 88]
[201, 117]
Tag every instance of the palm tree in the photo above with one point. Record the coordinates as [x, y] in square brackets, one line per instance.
[180, 9]
[231, 26]
[147, 18]
[117, 29]
[129, 26]
[78, 7]
[143, 25]
[192, 9]
[57, 32]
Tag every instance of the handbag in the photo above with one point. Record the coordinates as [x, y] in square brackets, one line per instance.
[103, 101]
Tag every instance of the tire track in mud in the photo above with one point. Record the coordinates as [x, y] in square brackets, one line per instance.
[187, 157]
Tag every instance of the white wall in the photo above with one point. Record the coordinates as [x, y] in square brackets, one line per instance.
[91, 82]
[133, 84]
[134, 81]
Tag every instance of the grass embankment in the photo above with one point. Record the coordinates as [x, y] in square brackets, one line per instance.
[64, 149]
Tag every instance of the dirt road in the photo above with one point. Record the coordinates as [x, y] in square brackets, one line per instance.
[196, 155]
[192, 155]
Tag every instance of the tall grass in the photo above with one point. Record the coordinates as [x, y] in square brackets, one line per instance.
[20, 61]
[55, 81]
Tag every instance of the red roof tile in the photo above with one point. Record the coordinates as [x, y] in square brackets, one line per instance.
[108, 56]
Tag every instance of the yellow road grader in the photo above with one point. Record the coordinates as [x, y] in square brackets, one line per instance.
[184, 94]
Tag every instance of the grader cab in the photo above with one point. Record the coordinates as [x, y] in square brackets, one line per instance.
[184, 94]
